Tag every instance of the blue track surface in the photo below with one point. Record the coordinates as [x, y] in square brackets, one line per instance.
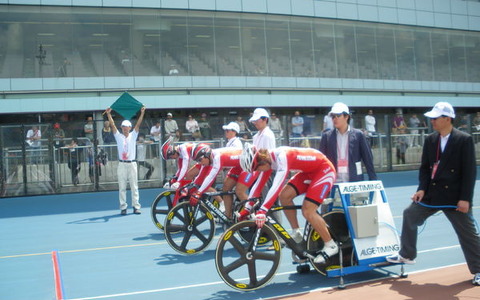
[107, 256]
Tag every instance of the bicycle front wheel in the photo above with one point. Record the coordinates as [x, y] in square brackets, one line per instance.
[189, 229]
[161, 206]
[239, 265]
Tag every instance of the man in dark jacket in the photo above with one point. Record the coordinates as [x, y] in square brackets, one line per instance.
[347, 147]
[447, 178]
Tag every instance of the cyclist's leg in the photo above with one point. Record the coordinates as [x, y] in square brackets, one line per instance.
[286, 199]
[295, 186]
[309, 210]
[228, 185]
[193, 172]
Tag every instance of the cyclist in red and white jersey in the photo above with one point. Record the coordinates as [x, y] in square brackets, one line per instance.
[181, 153]
[315, 177]
[213, 161]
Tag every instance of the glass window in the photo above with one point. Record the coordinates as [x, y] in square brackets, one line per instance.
[301, 45]
[324, 49]
[423, 55]
[200, 44]
[472, 51]
[366, 45]
[227, 45]
[278, 46]
[253, 46]
[404, 42]
[457, 56]
[346, 51]
[441, 63]
[385, 45]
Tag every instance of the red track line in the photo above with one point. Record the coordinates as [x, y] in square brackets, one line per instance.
[57, 276]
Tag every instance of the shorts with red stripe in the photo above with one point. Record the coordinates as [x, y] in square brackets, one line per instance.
[318, 184]
[242, 177]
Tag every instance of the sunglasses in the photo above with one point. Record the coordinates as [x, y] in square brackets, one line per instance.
[437, 118]
[333, 116]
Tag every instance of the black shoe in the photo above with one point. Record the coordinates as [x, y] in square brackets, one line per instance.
[123, 212]
[136, 211]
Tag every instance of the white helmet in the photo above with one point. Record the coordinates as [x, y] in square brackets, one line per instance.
[247, 158]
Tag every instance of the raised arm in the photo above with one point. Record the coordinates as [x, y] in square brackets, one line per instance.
[140, 119]
[110, 120]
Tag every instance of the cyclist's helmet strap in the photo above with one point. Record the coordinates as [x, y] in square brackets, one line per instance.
[167, 149]
[201, 150]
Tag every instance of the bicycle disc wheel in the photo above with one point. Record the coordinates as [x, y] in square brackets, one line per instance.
[161, 206]
[339, 230]
[189, 229]
[239, 266]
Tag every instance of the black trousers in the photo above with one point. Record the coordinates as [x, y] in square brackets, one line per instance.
[463, 224]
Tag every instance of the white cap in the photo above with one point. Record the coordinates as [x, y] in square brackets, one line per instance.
[126, 123]
[441, 109]
[170, 114]
[232, 126]
[258, 113]
[339, 108]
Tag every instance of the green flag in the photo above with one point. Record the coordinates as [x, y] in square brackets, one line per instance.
[126, 106]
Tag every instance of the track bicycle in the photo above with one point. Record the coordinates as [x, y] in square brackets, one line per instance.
[243, 265]
[163, 203]
[190, 229]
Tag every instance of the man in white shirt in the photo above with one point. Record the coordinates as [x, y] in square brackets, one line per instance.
[370, 126]
[33, 140]
[156, 134]
[264, 138]
[171, 127]
[127, 164]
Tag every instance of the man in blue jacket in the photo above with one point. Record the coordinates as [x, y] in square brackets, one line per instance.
[347, 147]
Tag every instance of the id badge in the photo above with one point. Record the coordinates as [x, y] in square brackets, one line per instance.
[342, 166]
[434, 169]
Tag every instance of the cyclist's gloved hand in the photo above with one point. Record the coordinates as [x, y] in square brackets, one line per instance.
[260, 217]
[243, 214]
[195, 198]
[175, 185]
[173, 180]
[188, 189]
[166, 185]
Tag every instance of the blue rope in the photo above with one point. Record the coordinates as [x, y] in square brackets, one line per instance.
[444, 207]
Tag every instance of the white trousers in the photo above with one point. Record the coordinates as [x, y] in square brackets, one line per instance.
[127, 172]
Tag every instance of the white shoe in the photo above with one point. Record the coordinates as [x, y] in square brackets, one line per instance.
[476, 279]
[297, 235]
[326, 253]
[398, 259]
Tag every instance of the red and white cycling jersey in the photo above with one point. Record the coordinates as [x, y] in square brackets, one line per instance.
[220, 159]
[315, 174]
[183, 160]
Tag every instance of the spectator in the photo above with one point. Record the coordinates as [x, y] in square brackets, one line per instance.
[347, 147]
[297, 125]
[142, 145]
[413, 124]
[205, 130]
[58, 135]
[231, 134]
[156, 136]
[33, 140]
[73, 160]
[276, 125]
[171, 128]
[370, 126]
[398, 122]
[244, 130]
[401, 146]
[127, 166]
[191, 125]
[88, 128]
[447, 177]
[173, 71]
[327, 123]
[107, 134]
[464, 124]
[476, 127]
